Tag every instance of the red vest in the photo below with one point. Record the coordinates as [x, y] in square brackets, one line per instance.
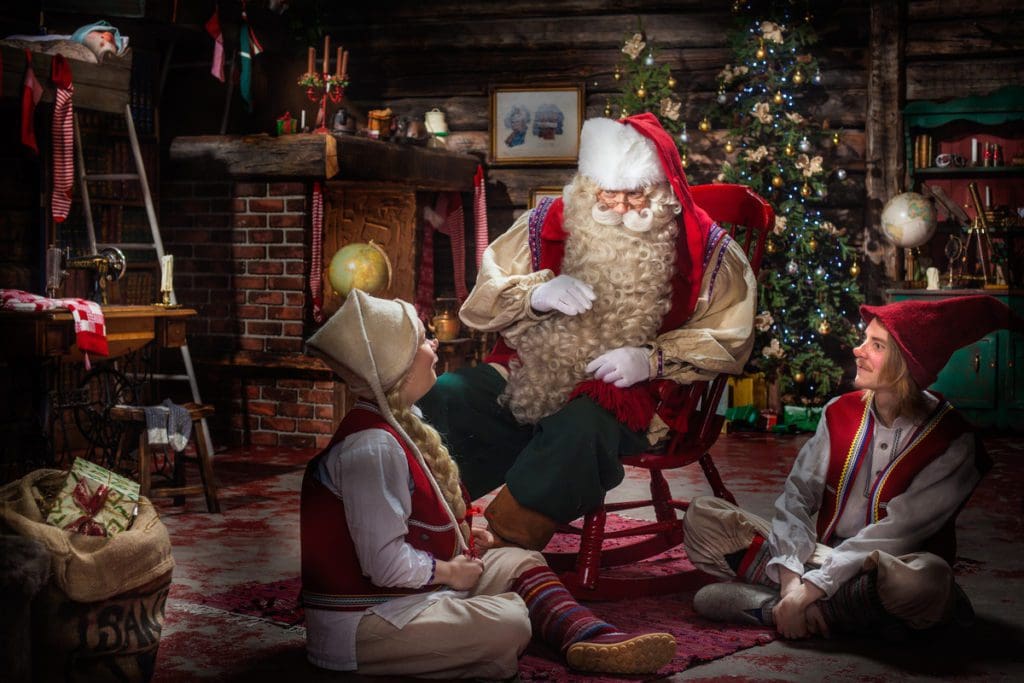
[331, 575]
[851, 428]
[633, 406]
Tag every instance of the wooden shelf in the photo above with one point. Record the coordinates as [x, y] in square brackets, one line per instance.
[969, 172]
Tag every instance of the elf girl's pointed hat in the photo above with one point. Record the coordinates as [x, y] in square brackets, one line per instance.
[928, 332]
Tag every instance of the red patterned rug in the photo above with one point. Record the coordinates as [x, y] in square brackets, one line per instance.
[698, 640]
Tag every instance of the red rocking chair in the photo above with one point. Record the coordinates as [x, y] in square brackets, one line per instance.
[694, 426]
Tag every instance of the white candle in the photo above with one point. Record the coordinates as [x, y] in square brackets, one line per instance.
[974, 151]
[167, 280]
[302, 125]
[988, 197]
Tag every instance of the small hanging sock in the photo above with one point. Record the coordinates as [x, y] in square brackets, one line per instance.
[31, 91]
[857, 608]
[215, 32]
[316, 283]
[248, 48]
[63, 134]
[588, 642]
[480, 214]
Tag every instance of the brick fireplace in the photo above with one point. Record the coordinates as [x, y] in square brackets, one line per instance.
[242, 246]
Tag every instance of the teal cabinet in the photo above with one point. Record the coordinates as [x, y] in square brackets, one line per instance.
[984, 380]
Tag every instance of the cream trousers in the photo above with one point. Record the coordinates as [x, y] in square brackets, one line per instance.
[916, 588]
[480, 636]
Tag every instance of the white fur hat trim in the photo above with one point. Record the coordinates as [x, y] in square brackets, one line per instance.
[617, 157]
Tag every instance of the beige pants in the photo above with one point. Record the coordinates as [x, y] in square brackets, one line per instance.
[480, 636]
[916, 588]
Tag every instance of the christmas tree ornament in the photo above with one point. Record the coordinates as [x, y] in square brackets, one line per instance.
[777, 98]
[671, 81]
[788, 150]
[760, 54]
[816, 78]
[704, 125]
[684, 137]
[812, 244]
[608, 108]
[835, 138]
[855, 269]
[805, 144]
[641, 92]
[798, 77]
[729, 148]
[617, 75]
[777, 181]
[624, 113]
[770, 247]
[649, 59]
[792, 267]
[684, 161]
[824, 327]
[841, 173]
[798, 377]
[722, 98]
[805, 190]
[819, 271]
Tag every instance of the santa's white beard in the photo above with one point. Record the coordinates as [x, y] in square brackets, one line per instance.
[635, 220]
[630, 274]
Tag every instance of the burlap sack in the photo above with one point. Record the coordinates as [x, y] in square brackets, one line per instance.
[87, 568]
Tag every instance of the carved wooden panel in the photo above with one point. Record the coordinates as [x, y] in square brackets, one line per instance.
[384, 213]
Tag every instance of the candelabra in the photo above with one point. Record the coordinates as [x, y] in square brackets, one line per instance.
[322, 86]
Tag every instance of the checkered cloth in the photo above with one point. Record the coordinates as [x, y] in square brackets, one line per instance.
[90, 329]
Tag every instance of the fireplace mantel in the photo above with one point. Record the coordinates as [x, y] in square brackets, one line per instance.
[323, 157]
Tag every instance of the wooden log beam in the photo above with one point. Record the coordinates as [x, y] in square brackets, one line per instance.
[884, 131]
[287, 156]
[102, 87]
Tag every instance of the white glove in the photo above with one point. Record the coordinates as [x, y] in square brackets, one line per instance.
[623, 367]
[564, 294]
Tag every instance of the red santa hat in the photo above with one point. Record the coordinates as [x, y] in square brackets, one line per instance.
[928, 332]
[618, 157]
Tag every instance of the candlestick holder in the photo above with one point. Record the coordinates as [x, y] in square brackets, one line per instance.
[321, 88]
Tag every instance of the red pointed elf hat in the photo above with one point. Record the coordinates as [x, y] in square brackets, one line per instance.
[928, 332]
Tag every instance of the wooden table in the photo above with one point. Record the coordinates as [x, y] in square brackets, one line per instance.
[48, 334]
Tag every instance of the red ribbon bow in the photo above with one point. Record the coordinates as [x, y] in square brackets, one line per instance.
[91, 504]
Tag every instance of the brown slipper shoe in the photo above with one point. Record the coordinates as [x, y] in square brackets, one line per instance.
[622, 653]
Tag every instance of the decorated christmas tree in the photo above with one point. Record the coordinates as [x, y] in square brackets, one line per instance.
[808, 289]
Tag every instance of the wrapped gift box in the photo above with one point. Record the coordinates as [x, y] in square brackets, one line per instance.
[95, 501]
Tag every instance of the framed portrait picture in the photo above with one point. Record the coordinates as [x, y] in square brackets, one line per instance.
[539, 193]
[536, 125]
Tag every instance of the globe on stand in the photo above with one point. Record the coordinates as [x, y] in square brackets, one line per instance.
[360, 265]
[908, 220]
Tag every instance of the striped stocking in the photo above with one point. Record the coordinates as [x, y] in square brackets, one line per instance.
[555, 615]
[63, 139]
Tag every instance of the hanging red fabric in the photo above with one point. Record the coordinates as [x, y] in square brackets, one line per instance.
[213, 28]
[316, 268]
[480, 214]
[63, 133]
[31, 91]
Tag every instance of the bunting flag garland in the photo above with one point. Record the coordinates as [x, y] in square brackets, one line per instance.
[248, 48]
[316, 281]
[480, 214]
[213, 28]
[63, 139]
[31, 91]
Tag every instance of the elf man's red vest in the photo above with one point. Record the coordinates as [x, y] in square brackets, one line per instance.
[851, 428]
[633, 406]
[331, 575]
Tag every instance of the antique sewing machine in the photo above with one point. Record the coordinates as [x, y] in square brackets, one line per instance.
[108, 265]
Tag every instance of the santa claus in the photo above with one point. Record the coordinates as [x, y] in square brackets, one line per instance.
[620, 281]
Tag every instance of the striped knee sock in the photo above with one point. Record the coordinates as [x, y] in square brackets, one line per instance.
[750, 564]
[555, 615]
[856, 606]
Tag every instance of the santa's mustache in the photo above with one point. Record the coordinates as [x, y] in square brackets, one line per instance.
[634, 220]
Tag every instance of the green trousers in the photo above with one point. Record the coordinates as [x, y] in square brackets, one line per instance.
[561, 467]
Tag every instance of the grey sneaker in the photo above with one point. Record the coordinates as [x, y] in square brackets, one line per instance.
[736, 603]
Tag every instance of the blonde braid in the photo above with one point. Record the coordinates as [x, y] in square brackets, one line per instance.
[435, 454]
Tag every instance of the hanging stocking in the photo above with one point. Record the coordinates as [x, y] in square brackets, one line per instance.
[30, 93]
[249, 47]
[316, 280]
[63, 139]
[425, 286]
[213, 28]
[480, 213]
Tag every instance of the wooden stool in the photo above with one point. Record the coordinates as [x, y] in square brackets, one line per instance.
[137, 415]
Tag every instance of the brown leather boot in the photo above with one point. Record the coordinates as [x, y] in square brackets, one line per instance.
[513, 524]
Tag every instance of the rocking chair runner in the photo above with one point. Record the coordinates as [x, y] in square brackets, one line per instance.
[690, 412]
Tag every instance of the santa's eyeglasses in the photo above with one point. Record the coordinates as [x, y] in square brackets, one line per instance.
[946, 160]
[612, 199]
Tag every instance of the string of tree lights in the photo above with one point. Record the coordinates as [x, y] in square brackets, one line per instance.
[808, 296]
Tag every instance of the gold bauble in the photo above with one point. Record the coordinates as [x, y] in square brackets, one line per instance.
[777, 99]
[760, 54]
[729, 147]
[798, 377]
[855, 270]
[812, 244]
[704, 125]
[624, 113]
[824, 327]
[770, 247]
[835, 138]
[684, 161]
[617, 75]
[671, 82]
[641, 92]
[805, 190]
[777, 181]
[798, 77]
[608, 109]
[788, 150]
